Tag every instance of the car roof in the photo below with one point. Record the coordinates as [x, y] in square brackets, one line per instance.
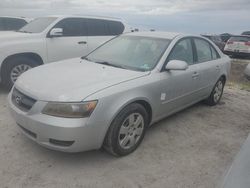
[16, 17]
[155, 34]
[85, 16]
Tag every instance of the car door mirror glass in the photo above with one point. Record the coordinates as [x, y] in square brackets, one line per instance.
[176, 65]
[56, 32]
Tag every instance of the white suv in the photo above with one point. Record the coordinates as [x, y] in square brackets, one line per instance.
[54, 38]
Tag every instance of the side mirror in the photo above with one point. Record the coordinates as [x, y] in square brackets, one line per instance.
[56, 32]
[176, 65]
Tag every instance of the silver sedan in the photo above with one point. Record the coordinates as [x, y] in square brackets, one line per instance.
[110, 97]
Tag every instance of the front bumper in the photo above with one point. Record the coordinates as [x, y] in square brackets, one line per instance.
[62, 134]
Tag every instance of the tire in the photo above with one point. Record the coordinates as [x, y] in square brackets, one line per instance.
[217, 93]
[14, 64]
[121, 138]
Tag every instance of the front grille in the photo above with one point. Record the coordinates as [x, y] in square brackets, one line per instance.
[22, 101]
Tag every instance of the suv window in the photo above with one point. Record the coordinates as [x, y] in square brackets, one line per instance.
[73, 27]
[97, 27]
[205, 51]
[1, 24]
[115, 28]
[183, 51]
[14, 24]
[8, 24]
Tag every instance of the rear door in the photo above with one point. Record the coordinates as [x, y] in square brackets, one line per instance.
[100, 31]
[73, 42]
[209, 65]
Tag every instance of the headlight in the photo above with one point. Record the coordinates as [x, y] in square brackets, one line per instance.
[70, 110]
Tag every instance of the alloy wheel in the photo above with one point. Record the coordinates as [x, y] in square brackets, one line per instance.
[131, 131]
[18, 70]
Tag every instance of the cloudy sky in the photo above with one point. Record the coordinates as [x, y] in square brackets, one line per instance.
[192, 16]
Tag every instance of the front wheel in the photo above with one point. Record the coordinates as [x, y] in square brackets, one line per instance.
[217, 93]
[14, 68]
[127, 130]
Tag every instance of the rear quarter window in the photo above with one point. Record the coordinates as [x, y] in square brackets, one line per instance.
[115, 27]
[205, 51]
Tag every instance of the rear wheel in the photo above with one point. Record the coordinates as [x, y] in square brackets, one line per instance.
[14, 68]
[127, 130]
[217, 93]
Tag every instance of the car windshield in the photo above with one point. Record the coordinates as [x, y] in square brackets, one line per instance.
[38, 25]
[131, 52]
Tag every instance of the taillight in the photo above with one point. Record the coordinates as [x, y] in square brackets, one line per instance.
[247, 43]
[230, 42]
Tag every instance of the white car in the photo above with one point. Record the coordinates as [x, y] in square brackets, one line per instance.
[53, 38]
[12, 23]
[238, 46]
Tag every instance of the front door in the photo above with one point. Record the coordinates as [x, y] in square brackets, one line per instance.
[179, 88]
[73, 43]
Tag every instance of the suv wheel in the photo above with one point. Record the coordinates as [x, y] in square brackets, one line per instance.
[127, 130]
[14, 68]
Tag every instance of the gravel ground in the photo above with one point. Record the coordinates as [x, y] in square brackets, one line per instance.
[191, 149]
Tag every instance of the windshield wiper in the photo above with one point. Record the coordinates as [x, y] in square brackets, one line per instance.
[110, 64]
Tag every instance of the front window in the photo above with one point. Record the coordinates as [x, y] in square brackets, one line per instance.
[38, 25]
[131, 52]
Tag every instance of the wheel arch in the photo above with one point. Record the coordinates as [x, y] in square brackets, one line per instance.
[223, 76]
[34, 56]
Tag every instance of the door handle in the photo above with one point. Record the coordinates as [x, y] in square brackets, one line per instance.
[82, 42]
[195, 75]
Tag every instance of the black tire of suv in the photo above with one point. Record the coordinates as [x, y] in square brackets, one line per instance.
[211, 100]
[111, 143]
[10, 64]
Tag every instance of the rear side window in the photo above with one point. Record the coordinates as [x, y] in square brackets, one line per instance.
[115, 28]
[97, 27]
[183, 51]
[73, 27]
[205, 51]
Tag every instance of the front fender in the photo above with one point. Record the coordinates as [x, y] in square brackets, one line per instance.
[111, 101]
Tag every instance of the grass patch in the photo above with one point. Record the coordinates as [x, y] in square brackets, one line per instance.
[242, 86]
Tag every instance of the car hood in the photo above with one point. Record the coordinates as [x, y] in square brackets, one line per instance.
[9, 36]
[71, 80]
